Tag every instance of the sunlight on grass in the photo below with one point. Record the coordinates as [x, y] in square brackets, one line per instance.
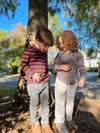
[9, 75]
[95, 78]
[6, 91]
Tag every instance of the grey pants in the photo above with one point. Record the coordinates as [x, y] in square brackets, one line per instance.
[64, 101]
[39, 95]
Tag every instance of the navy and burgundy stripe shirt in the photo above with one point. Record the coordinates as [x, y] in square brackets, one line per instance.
[34, 61]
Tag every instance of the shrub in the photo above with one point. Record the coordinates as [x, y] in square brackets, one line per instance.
[92, 69]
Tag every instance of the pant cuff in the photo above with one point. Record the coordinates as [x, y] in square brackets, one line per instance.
[43, 123]
[35, 124]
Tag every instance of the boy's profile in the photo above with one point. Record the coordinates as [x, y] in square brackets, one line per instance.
[34, 65]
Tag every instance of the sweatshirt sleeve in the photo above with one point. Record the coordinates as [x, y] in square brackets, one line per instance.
[56, 62]
[25, 63]
[81, 66]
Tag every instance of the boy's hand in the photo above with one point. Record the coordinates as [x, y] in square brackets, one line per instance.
[65, 67]
[81, 83]
[36, 77]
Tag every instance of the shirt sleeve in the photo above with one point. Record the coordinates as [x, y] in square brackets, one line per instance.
[81, 66]
[25, 64]
[56, 62]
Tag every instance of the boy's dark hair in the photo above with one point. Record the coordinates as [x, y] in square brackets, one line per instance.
[45, 36]
[69, 39]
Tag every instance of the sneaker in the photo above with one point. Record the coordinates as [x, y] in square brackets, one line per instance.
[73, 124]
[36, 129]
[62, 128]
[47, 128]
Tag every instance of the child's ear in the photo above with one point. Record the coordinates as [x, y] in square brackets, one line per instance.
[37, 40]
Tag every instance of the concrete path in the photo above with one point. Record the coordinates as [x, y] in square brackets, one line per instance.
[90, 90]
[9, 81]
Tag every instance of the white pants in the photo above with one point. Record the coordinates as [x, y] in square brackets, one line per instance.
[64, 101]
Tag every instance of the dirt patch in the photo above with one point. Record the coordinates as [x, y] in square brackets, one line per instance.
[86, 115]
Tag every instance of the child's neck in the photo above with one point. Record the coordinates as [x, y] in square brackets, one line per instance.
[68, 51]
[36, 45]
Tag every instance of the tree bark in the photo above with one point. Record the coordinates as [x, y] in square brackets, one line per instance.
[37, 16]
[99, 70]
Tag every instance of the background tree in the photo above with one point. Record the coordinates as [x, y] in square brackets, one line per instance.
[84, 17]
[7, 6]
[3, 42]
[88, 19]
[55, 26]
[11, 47]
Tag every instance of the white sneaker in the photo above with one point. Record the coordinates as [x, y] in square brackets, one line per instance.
[73, 124]
[62, 128]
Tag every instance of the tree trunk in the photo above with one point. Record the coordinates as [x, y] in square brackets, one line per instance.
[37, 18]
[99, 70]
[38, 15]
[20, 98]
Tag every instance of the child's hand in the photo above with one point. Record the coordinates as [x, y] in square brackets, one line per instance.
[65, 67]
[36, 77]
[49, 73]
[81, 83]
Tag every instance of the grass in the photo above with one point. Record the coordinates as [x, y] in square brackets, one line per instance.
[6, 91]
[95, 78]
[2, 74]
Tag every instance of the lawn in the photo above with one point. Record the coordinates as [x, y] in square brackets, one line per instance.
[95, 78]
[6, 91]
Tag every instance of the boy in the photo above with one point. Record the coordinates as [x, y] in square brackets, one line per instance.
[34, 65]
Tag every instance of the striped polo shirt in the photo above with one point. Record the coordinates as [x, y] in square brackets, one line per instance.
[34, 61]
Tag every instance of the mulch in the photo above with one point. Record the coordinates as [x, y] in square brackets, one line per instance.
[86, 114]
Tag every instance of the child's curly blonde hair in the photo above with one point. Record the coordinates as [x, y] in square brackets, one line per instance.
[69, 39]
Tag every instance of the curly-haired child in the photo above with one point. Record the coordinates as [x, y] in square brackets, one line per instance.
[67, 63]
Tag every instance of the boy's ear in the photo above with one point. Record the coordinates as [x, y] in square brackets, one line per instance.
[37, 40]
